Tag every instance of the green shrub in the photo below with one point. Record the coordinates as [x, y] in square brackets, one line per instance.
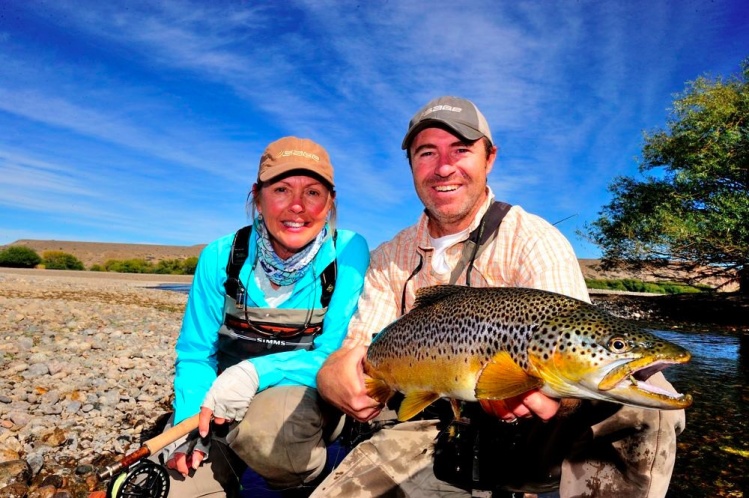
[169, 267]
[129, 266]
[164, 267]
[631, 285]
[58, 260]
[652, 288]
[593, 283]
[189, 265]
[19, 257]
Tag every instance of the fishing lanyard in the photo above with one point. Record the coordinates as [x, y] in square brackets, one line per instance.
[474, 238]
[478, 238]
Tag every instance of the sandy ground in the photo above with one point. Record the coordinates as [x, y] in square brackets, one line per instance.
[137, 279]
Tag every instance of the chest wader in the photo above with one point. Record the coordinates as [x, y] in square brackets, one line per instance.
[249, 331]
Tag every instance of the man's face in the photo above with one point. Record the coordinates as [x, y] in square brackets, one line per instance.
[450, 178]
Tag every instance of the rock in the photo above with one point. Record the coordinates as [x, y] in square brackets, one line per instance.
[55, 481]
[50, 397]
[16, 471]
[15, 490]
[19, 418]
[25, 343]
[37, 369]
[85, 469]
[55, 438]
[36, 462]
[72, 406]
[43, 492]
[8, 455]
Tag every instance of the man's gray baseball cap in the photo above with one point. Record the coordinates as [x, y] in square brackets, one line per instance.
[460, 116]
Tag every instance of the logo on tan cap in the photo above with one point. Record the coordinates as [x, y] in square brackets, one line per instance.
[285, 153]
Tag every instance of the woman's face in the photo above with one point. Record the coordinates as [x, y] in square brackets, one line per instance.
[295, 209]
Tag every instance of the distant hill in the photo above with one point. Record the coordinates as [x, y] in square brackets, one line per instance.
[91, 253]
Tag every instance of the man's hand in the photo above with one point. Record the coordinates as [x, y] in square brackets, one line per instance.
[525, 405]
[229, 396]
[340, 381]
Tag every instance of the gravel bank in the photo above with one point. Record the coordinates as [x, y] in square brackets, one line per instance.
[87, 364]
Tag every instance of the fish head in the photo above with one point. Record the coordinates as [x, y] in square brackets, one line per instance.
[591, 354]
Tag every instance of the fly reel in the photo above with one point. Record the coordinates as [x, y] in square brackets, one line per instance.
[144, 479]
[134, 476]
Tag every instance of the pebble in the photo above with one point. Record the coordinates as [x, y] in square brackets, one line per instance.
[87, 371]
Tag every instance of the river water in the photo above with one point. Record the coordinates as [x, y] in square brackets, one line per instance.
[713, 452]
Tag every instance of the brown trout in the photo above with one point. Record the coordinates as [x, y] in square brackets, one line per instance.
[466, 343]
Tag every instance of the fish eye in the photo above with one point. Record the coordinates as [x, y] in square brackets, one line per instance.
[618, 345]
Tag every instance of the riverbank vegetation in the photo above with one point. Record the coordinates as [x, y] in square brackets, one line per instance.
[164, 267]
[691, 204]
[633, 285]
[25, 257]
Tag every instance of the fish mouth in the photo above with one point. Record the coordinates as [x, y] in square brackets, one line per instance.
[628, 383]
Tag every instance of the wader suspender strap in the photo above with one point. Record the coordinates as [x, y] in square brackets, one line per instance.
[477, 240]
[474, 246]
[237, 257]
[240, 251]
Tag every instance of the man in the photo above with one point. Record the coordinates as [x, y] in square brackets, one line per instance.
[608, 450]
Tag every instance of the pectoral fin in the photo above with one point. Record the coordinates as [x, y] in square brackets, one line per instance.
[378, 389]
[502, 378]
[414, 403]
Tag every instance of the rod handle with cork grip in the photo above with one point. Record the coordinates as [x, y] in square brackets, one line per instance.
[150, 447]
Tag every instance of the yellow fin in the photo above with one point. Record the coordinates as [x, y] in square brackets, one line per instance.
[502, 378]
[378, 389]
[414, 403]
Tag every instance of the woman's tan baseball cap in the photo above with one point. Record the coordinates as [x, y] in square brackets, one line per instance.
[292, 153]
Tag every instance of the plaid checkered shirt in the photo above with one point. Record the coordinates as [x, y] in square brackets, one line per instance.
[527, 252]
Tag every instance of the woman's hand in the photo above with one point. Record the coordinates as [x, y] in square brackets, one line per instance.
[229, 396]
[184, 462]
[340, 381]
[186, 453]
[525, 405]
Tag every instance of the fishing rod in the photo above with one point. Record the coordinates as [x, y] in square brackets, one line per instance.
[565, 219]
[134, 476]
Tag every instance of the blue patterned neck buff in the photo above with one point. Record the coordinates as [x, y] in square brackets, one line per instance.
[285, 271]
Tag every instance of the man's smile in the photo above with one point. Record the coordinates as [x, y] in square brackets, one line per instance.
[446, 188]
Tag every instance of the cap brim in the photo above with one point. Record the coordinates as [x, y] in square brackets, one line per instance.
[283, 169]
[463, 131]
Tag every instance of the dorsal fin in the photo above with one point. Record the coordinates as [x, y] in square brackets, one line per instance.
[429, 295]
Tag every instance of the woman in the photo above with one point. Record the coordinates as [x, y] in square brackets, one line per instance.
[267, 306]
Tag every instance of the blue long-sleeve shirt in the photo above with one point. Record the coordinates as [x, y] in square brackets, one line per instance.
[196, 364]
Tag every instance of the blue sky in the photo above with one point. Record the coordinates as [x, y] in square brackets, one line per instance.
[143, 122]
